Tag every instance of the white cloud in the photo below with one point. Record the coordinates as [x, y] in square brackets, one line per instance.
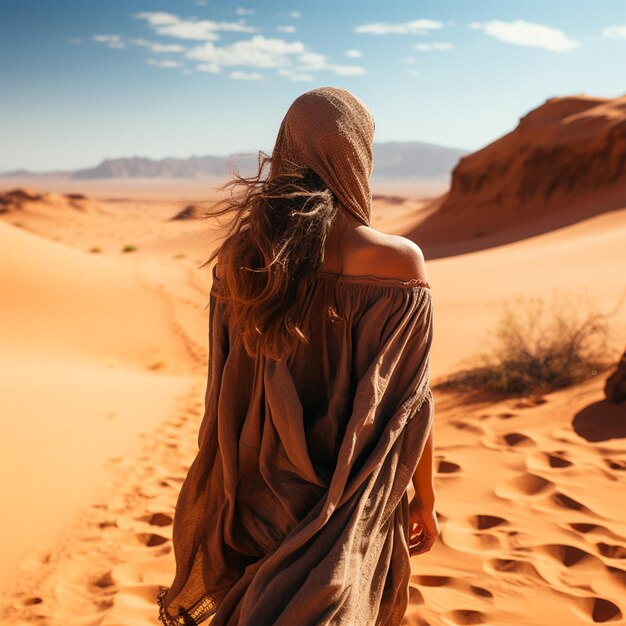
[409, 60]
[436, 45]
[239, 75]
[286, 29]
[242, 11]
[211, 68]
[346, 70]
[295, 14]
[354, 54]
[293, 75]
[290, 58]
[155, 46]
[257, 52]
[313, 61]
[521, 33]
[164, 63]
[112, 41]
[416, 27]
[614, 32]
[173, 26]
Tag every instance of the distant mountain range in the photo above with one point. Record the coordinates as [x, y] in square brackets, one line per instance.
[406, 160]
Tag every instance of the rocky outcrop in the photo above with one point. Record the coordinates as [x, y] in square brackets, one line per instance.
[564, 149]
[563, 163]
[19, 198]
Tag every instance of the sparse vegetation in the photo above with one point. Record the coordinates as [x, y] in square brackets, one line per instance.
[537, 348]
[129, 248]
[95, 250]
[180, 255]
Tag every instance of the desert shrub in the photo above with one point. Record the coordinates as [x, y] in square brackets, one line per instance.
[538, 347]
[95, 250]
[129, 248]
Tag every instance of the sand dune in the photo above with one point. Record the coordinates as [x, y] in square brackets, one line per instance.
[91, 358]
[104, 389]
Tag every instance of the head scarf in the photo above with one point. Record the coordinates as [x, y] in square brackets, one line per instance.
[330, 131]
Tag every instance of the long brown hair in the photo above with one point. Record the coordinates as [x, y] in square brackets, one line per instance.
[276, 237]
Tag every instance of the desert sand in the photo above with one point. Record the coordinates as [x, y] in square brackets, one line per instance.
[103, 386]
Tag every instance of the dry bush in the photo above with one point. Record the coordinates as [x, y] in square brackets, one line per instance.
[538, 347]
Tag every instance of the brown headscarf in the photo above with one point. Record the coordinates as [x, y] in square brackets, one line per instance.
[331, 131]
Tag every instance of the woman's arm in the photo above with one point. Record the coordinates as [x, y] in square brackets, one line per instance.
[423, 477]
[423, 522]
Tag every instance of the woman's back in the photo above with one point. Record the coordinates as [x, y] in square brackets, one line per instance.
[359, 249]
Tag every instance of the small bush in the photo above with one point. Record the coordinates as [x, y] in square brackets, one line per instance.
[536, 349]
[95, 250]
[129, 248]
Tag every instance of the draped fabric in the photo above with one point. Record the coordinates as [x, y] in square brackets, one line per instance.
[330, 131]
[295, 509]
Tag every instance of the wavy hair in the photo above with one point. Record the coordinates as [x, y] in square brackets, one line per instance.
[275, 238]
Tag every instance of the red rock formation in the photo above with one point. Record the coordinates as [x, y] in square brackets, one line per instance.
[567, 146]
[567, 156]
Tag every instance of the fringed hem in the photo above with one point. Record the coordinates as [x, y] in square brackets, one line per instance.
[164, 616]
[195, 616]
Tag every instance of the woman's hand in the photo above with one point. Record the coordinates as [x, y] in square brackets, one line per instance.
[423, 527]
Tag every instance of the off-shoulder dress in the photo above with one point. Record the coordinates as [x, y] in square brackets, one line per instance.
[295, 509]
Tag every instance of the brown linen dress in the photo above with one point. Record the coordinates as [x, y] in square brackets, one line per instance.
[295, 510]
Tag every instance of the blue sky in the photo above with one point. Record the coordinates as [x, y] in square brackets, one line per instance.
[83, 80]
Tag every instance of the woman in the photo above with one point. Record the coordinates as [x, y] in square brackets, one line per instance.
[318, 412]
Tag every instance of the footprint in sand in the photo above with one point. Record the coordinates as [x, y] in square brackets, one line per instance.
[557, 460]
[616, 464]
[104, 581]
[484, 522]
[465, 616]
[448, 467]
[481, 591]
[470, 428]
[512, 566]
[431, 581]
[612, 551]
[506, 416]
[517, 440]
[586, 528]
[151, 539]
[563, 501]
[527, 485]
[570, 555]
[542, 460]
[157, 519]
[599, 610]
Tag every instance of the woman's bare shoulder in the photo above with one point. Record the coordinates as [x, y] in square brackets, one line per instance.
[388, 256]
